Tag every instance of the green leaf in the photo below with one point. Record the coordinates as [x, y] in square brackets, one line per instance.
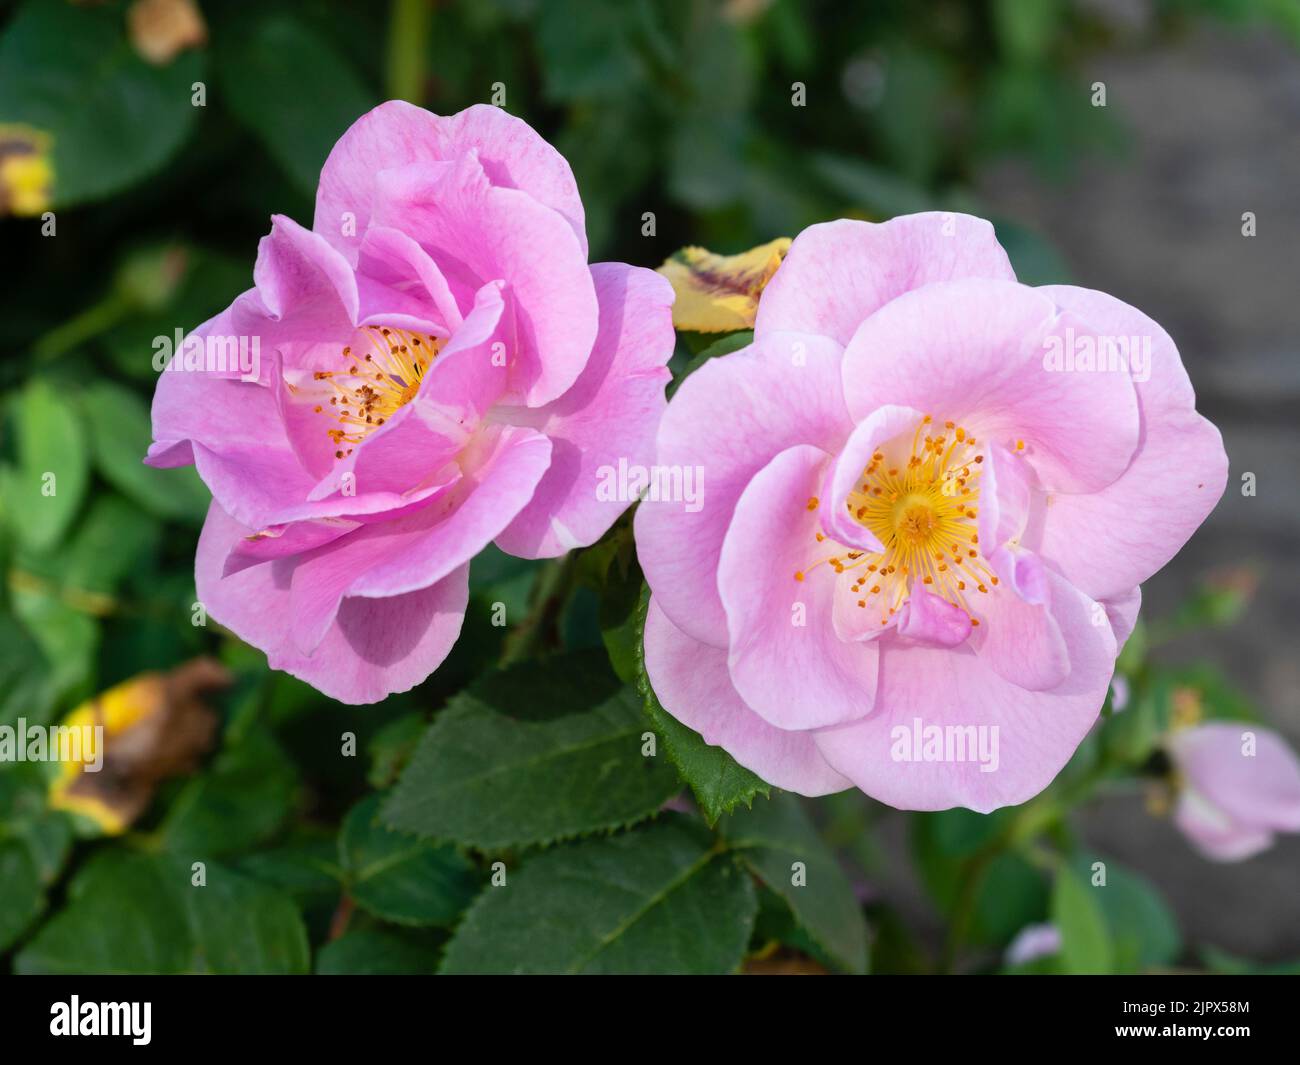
[26, 819]
[1220, 961]
[895, 947]
[238, 925]
[586, 49]
[375, 952]
[878, 191]
[619, 583]
[954, 834]
[495, 577]
[68, 638]
[1217, 603]
[718, 782]
[1012, 893]
[306, 868]
[34, 846]
[1130, 735]
[137, 913]
[41, 495]
[1008, 891]
[532, 754]
[712, 124]
[1134, 652]
[660, 899]
[770, 838]
[203, 284]
[22, 896]
[1077, 913]
[27, 686]
[612, 144]
[69, 71]
[400, 878]
[1035, 260]
[123, 916]
[120, 436]
[112, 541]
[1142, 928]
[294, 91]
[391, 748]
[620, 630]
[59, 592]
[238, 803]
[777, 925]
[1025, 32]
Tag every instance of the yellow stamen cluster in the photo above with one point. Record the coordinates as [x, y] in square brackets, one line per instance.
[923, 508]
[382, 371]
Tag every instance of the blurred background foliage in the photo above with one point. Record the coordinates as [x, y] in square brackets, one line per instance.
[162, 134]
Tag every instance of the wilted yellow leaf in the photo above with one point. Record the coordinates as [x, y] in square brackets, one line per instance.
[154, 726]
[719, 293]
[162, 29]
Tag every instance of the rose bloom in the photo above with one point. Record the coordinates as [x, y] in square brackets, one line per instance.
[438, 368]
[930, 495]
[1238, 785]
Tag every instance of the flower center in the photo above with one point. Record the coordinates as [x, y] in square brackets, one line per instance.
[381, 370]
[920, 503]
[917, 522]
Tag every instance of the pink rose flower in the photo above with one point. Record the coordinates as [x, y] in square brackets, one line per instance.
[438, 369]
[1239, 784]
[925, 518]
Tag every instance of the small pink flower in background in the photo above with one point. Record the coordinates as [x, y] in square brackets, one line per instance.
[1033, 942]
[438, 369]
[927, 517]
[1238, 785]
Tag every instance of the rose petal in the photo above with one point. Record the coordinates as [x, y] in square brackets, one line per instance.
[609, 415]
[1037, 731]
[1108, 541]
[973, 352]
[692, 683]
[478, 233]
[929, 619]
[729, 418]
[374, 647]
[837, 274]
[785, 658]
[398, 133]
